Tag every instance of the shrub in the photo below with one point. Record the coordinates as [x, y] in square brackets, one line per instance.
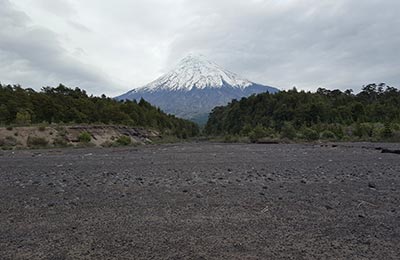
[328, 135]
[60, 141]
[387, 131]
[246, 130]
[377, 131]
[288, 131]
[363, 130]
[336, 129]
[395, 136]
[9, 141]
[34, 141]
[85, 137]
[257, 133]
[23, 117]
[231, 139]
[60, 128]
[124, 140]
[310, 134]
[61, 131]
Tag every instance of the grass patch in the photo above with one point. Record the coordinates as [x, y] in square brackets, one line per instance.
[123, 140]
[85, 137]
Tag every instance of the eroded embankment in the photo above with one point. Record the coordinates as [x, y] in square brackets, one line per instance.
[59, 136]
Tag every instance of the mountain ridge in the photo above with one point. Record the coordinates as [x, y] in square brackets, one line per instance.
[194, 87]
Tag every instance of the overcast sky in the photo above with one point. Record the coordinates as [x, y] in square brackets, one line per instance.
[113, 46]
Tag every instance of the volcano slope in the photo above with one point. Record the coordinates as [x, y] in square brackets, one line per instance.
[201, 201]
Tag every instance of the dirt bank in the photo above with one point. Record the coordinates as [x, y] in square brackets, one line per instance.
[48, 136]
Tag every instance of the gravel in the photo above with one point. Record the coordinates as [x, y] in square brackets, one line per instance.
[201, 201]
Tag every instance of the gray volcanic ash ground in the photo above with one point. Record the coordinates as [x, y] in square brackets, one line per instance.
[201, 201]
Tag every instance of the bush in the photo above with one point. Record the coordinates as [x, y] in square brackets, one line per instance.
[387, 131]
[124, 140]
[231, 139]
[310, 134]
[60, 141]
[395, 136]
[328, 135]
[257, 133]
[246, 130]
[363, 130]
[288, 131]
[34, 141]
[336, 129]
[85, 137]
[61, 131]
[8, 141]
[23, 117]
[377, 131]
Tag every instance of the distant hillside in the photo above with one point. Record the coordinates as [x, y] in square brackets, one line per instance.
[373, 113]
[73, 106]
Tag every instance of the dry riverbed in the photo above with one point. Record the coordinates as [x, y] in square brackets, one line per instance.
[201, 201]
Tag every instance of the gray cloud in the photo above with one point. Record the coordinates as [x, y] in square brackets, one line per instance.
[337, 44]
[57, 7]
[307, 43]
[34, 56]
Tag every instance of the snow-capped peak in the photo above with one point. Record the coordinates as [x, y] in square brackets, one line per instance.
[195, 71]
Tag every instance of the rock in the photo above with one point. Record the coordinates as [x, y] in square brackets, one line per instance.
[390, 151]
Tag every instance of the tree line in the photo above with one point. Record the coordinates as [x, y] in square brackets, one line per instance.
[372, 114]
[61, 104]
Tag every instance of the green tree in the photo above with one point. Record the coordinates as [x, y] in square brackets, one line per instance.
[23, 117]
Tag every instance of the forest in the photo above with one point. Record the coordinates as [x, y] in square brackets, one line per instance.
[63, 105]
[371, 115]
